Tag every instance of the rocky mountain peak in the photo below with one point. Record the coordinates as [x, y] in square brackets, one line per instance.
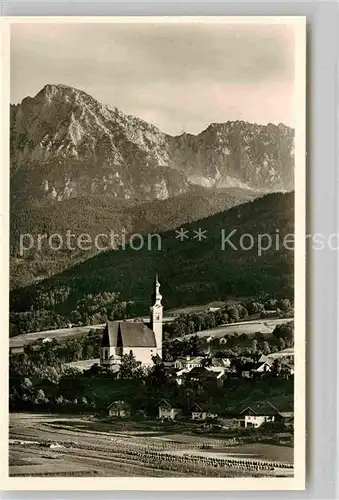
[64, 143]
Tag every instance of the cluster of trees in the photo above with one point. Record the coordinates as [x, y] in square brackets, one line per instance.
[49, 311]
[35, 321]
[196, 322]
[71, 349]
[284, 331]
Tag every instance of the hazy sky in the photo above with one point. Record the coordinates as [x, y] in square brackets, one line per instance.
[180, 77]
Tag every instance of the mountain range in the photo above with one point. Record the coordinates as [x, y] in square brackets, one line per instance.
[80, 165]
[72, 145]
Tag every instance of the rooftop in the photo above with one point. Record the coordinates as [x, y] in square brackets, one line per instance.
[127, 334]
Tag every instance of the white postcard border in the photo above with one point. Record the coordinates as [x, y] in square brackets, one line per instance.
[170, 484]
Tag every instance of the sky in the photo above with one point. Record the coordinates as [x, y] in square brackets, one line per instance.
[180, 77]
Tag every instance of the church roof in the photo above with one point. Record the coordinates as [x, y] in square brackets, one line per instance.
[127, 334]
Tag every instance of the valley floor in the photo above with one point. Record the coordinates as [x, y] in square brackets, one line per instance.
[59, 445]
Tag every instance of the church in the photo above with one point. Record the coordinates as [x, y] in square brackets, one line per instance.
[144, 340]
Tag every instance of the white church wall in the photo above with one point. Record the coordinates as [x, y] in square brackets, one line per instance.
[142, 354]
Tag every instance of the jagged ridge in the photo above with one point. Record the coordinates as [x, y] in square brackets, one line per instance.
[67, 144]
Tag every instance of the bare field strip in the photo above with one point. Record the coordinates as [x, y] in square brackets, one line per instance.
[61, 333]
[264, 326]
[48, 445]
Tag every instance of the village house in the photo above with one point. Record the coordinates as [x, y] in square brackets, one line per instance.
[166, 411]
[287, 417]
[250, 369]
[216, 364]
[119, 409]
[188, 362]
[202, 412]
[262, 368]
[254, 416]
[204, 378]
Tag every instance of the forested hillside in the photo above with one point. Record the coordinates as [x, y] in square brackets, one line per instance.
[190, 271]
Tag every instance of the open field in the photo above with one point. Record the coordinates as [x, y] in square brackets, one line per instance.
[264, 326]
[196, 309]
[53, 445]
[62, 333]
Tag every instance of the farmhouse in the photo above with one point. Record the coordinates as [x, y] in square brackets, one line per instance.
[202, 412]
[166, 411]
[119, 409]
[254, 416]
[143, 340]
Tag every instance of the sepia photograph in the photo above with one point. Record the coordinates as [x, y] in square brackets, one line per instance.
[156, 252]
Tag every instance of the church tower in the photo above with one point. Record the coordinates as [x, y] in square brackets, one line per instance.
[157, 316]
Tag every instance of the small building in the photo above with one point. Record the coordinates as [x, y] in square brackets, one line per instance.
[254, 416]
[287, 417]
[189, 362]
[202, 412]
[250, 369]
[166, 411]
[260, 368]
[204, 377]
[119, 409]
[218, 363]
